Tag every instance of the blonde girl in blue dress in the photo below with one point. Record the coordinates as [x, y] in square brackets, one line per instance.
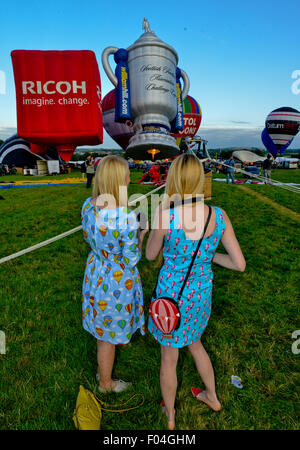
[112, 296]
[177, 230]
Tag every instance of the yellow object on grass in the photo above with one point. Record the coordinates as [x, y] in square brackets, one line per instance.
[88, 412]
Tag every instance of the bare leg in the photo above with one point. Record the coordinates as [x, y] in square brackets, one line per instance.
[168, 381]
[105, 357]
[205, 370]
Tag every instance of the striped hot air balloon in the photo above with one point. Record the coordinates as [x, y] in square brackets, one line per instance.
[165, 315]
[192, 116]
[17, 151]
[282, 125]
[119, 132]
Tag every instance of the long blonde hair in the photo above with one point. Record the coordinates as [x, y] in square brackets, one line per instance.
[185, 177]
[110, 175]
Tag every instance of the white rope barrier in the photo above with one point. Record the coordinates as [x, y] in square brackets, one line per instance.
[67, 233]
[41, 244]
[259, 177]
[74, 230]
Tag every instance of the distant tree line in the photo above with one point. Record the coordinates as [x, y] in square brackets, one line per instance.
[83, 156]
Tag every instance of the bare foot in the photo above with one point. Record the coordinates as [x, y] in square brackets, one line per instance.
[108, 386]
[211, 401]
[171, 422]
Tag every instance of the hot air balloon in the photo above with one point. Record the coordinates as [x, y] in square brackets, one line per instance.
[122, 132]
[282, 125]
[17, 151]
[164, 315]
[58, 97]
[122, 324]
[107, 321]
[192, 116]
[102, 305]
[119, 132]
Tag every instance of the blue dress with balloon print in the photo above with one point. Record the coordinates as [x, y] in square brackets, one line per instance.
[112, 296]
[195, 302]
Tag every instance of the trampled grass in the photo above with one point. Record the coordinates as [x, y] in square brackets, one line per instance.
[48, 354]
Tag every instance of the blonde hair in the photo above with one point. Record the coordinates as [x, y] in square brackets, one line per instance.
[110, 175]
[185, 177]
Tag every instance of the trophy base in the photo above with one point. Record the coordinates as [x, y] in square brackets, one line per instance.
[145, 147]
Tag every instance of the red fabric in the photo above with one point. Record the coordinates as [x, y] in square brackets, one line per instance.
[164, 315]
[155, 173]
[58, 97]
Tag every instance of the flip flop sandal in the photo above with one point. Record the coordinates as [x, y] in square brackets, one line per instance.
[216, 406]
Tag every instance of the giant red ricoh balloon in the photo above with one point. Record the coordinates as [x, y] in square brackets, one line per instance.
[58, 99]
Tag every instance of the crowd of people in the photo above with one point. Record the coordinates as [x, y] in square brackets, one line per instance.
[112, 292]
[229, 168]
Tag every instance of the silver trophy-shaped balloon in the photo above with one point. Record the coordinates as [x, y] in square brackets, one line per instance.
[152, 74]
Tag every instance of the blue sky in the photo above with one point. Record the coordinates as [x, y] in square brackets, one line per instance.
[239, 56]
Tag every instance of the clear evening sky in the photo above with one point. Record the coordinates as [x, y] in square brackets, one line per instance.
[240, 56]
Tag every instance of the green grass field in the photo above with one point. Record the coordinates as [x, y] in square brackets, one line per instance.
[48, 354]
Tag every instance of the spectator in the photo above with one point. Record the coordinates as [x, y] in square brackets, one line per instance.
[83, 169]
[267, 164]
[230, 170]
[90, 171]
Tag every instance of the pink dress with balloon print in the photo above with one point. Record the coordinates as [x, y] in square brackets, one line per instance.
[112, 295]
[195, 303]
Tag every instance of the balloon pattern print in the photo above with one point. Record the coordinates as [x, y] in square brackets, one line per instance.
[112, 296]
[195, 303]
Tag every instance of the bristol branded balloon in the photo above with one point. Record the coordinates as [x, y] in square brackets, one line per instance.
[58, 99]
[119, 132]
[192, 116]
[282, 125]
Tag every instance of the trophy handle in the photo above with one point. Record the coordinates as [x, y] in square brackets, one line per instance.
[105, 54]
[186, 86]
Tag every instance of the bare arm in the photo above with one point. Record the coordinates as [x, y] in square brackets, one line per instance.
[141, 235]
[234, 259]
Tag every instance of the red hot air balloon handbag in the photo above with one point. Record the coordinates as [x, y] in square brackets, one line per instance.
[164, 311]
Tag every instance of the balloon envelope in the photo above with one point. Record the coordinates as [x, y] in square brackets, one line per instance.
[119, 132]
[122, 132]
[282, 125]
[192, 116]
[58, 95]
[17, 151]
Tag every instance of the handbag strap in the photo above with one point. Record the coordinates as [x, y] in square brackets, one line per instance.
[127, 401]
[195, 254]
[193, 259]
